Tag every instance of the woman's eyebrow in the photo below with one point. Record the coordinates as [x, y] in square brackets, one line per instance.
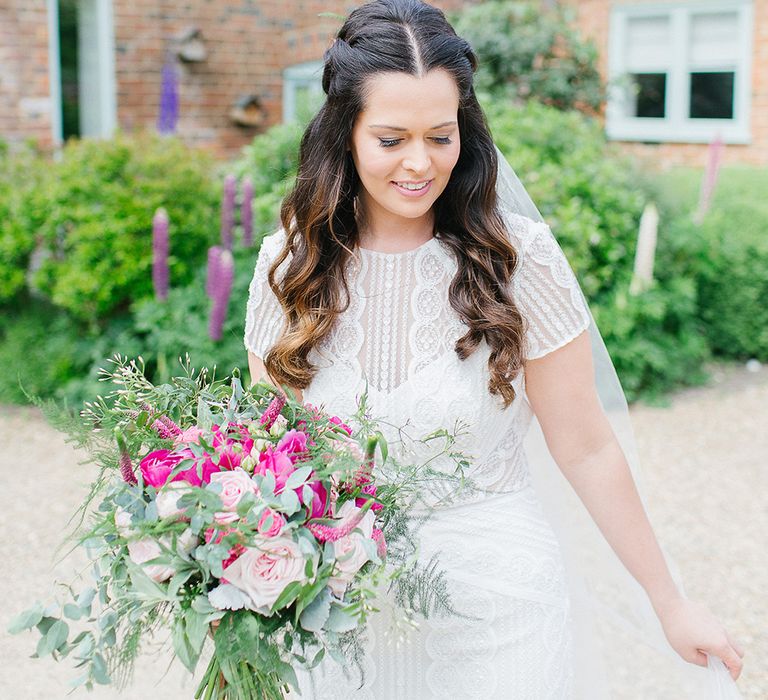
[400, 128]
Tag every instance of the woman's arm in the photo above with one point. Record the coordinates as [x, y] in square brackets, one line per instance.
[561, 389]
[259, 371]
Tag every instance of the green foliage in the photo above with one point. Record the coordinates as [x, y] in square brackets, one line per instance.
[593, 196]
[727, 254]
[527, 53]
[271, 160]
[93, 215]
[19, 174]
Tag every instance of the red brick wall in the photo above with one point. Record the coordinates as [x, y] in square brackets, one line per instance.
[249, 44]
[25, 108]
[593, 20]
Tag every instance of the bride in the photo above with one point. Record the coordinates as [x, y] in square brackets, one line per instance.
[410, 264]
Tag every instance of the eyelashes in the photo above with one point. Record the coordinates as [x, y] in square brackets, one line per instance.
[388, 143]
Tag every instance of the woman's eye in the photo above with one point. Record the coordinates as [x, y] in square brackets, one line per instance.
[388, 143]
[443, 139]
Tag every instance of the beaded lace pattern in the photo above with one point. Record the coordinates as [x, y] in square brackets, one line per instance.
[396, 339]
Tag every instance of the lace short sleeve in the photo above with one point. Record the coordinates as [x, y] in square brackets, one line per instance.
[545, 289]
[264, 315]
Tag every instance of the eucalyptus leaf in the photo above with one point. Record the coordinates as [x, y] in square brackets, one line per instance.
[289, 502]
[26, 620]
[298, 477]
[99, 670]
[316, 613]
[55, 637]
[72, 611]
[340, 621]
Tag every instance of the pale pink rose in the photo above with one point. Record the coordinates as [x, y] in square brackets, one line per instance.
[234, 485]
[147, 548]
[273, 527]
[190, 435]
[349, 551]
[144, 550]
[168, 498]
[264, 570]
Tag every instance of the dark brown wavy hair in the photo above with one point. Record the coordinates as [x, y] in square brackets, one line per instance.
[318, 215]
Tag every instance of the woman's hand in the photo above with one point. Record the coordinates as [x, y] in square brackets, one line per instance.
[692, 630]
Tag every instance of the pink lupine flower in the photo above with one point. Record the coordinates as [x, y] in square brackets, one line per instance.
[228, 210]
[246, 212]
[381, 544]
[160, 254]
[273, 411]
[349, 520]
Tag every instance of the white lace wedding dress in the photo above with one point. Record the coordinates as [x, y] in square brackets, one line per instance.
[502, 558]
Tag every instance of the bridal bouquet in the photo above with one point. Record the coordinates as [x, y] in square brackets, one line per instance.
[241, 515]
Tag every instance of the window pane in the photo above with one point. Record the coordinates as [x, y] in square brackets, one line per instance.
[649, 94]
[712, 95]
[714, 39]
[648, 44]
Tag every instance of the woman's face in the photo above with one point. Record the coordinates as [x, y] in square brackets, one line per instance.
[407, 134]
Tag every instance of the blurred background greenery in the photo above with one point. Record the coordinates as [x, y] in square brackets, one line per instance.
[76, 233]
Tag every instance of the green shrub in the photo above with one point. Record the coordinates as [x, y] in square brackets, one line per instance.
[271, 160]
[727, 254]
[19, 174]
[593, 195]
[94, 217]
[527, 53]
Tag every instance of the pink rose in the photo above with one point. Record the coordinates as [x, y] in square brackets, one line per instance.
[190, 435]
[294, 442]
[264, 570]
[271, 523]
[148, 548]
[319, 499]
[234, 485]
[277, 462]
[349, 551]
[167, 501]
[337, 421]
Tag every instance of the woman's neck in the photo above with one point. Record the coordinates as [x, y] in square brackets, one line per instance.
[388, 233]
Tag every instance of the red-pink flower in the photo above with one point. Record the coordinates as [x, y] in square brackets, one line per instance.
[337, 421]
[293, 443]
[370, 490]
[157, 466]
[277, 462]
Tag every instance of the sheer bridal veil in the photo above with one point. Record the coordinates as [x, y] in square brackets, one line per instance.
[620, 650]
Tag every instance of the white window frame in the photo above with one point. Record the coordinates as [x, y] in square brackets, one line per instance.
[302, 75]
[676, 125]
[98, 90]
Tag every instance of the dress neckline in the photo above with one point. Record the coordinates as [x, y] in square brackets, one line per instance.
[400, 253]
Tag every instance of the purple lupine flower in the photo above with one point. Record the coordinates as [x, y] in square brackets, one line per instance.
[160, 254]
[169, 99]
[212, 271]
[221, 291]
[246, 212]
[228, 211]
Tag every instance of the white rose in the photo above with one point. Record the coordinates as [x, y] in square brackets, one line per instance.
[168, 498]
[349, 551]
[123, 522]
[265, 569]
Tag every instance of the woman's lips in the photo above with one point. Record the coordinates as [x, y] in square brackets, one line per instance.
[413, 193]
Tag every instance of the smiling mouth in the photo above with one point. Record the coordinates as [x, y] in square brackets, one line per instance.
[412, 186]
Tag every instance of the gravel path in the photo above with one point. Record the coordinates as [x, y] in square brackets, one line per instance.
[706, 467]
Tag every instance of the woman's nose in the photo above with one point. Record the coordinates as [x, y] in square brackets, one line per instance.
[418, 160]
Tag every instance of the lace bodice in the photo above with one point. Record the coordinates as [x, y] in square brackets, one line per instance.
[398, 335]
